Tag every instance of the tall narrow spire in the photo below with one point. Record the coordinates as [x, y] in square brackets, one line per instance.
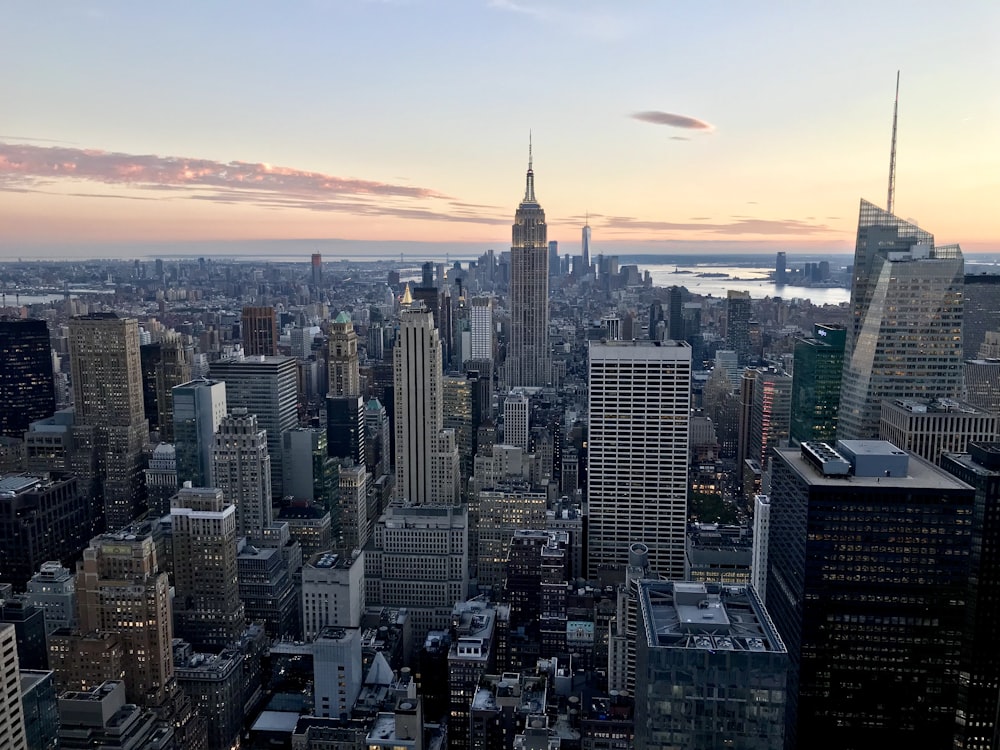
[529, 189]
[892, 152]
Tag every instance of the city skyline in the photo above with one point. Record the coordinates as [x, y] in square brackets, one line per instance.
[750, 128]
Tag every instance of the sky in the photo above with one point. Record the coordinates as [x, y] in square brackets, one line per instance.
[670, 126]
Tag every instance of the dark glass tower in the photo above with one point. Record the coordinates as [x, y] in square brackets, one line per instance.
[819, 364]
[979, 677]
[738, 314]
[26, 387]
[868, 564]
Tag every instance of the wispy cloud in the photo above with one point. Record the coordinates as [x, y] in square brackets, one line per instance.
[674, 121]
[575, 17]
[743, 225]
[29, 168]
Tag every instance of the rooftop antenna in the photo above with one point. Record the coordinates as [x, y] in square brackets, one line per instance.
[892, 152]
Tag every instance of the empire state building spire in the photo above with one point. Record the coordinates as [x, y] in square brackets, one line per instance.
[529, 188]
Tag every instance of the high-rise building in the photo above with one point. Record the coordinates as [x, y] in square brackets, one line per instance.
[101, 717]
[930, 428]
[868, 569]
[337, 671]
[529, 360]
[904, 339]
[27, 388]
[976, 716]
[343, 358]
[675, 314]
[780, 267]
[419, 559]
[241, 468]
[982, 382]
[481, 329]
[53, 591]
[516, 418]
[199, 407]
[110, 429]
[378, 443]
[981, 312]
[333, 592]
[761, 533]
[165, 364]
[214, 683]
[352, 509]
[637, 452]
[316, 270]
[259, 328]
[41, 712]
[207, 608]
[161, 479]
[267, 387]
[770, 415]
[41, 518]
[706, 654]
[585, 249]
[816, 375]
[345, 428]
[739, 313]
[418, 400]
[120, 589]
[267, 590]
[11, 711]
[503, 509]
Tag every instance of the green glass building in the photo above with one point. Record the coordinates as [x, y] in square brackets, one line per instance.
[816, 375]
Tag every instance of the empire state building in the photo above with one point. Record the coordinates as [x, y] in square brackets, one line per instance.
[529, 360]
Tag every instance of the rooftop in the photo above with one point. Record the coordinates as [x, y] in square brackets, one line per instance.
[919, 473]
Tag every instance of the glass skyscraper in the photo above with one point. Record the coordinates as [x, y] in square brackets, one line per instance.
[905, 334]
[816, 378]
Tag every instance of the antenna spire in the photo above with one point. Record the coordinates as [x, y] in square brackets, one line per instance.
[892, 152]
[529, 189]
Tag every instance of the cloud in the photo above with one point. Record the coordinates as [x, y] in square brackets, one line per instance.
[679, 138]
[30, 168]
[34, 140]
[743, 225]
[575, 18]
[674, 121]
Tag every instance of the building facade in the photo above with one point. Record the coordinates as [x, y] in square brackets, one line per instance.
[27, 388]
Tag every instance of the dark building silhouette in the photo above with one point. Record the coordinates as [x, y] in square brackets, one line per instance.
[259, 331]
[26, 385]
[978, 692]
[816, 375]
[868, 566]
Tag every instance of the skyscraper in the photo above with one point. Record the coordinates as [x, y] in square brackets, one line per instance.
[120, 589]
[868, 566]
[481, 329]
[11, 712]
[199, 408]
[343, 361]
[770, 415]
[27, 390]
[267, 387]
[738, 315]
[585, 248]
[816, 376]
[419, 415]
[110, 429]
[207, 607]
[529, 361]
[241, 468]
[259, 327]
[637, 452]
[904, 339]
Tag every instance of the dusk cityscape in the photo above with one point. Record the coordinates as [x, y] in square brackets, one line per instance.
[501, 375]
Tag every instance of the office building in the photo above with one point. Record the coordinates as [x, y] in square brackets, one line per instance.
[267, 590]
[761, 535]
[904, 339]
[214, 684]
[100, 717]
[976, 714]
[780, 268]
[337, 671]
[110, 428]
[529, 359]
[502, 510]
[481, 329]
[585, 249]
[982, 383]
[53, 591]
[121, 590]
[161, 479]
[316, 270]
[419, 415]
[42, 518]
[241, 468]
[710, 669]
[267, 387]
[418, 558]
[378, 440]
[770, 415]
[344, 378]
[352, 508]
[310, 472]
[345, 428]
[868, 568]
[816, 377]
[199, 408]
[472, 655]
[930, 428]
[333, 592]
[165, 364]
[516, 416]
[27, 388]
[12, 733]
[41, 711]
[259, 329]
[637, 452]
[739, 313]
[981, 313]
[207, 608]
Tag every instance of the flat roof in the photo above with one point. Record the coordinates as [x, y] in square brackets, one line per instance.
[919, 474]
[276, 721]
